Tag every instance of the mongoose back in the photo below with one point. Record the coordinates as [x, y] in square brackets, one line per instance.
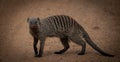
[64, 27]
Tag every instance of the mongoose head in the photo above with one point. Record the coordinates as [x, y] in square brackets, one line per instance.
[33, 22]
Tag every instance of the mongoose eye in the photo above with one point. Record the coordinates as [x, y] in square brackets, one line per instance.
[35, 22]
[30, 22]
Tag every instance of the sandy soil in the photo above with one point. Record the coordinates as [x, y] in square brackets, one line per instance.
[100, 18]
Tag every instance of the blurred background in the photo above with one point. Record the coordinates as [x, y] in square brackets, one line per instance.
[100, 18]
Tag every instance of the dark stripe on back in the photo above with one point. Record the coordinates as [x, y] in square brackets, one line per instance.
[58, 22]
[68, 21]
[64, 23]
[61, 22]
[55, 22]
[72, 21]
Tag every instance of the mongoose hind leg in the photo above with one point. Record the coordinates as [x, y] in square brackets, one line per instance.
[64, 42]
[78, 40]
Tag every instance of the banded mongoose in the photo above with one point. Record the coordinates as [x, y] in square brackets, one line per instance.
[64, 27]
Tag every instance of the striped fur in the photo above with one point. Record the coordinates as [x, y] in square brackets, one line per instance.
[61, 23]
[64, 27]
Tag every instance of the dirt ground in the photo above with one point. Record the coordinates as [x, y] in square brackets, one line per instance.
[100, 18]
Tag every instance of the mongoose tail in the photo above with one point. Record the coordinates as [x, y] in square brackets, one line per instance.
[93, 45]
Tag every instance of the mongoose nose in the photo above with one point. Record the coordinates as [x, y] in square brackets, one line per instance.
[34, 26]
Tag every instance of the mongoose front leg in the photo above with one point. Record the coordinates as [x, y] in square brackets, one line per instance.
[42, 42]
[35, 46]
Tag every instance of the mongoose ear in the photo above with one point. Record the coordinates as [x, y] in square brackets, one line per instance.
[38, 19]
[27, 19]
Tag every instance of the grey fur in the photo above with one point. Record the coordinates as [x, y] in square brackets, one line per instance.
[64, 27]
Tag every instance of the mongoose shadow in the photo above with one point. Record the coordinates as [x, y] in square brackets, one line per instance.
[63, 27]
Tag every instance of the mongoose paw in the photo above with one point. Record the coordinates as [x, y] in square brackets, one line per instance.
[38, 55]
[81, 53]
[58, 52]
